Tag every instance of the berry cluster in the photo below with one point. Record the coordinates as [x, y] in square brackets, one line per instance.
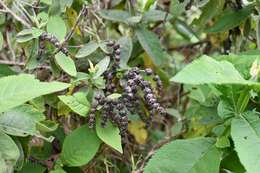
[53, 40]
[133, 88]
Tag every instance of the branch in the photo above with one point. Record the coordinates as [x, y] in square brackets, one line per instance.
[14, 15]
[69, 35]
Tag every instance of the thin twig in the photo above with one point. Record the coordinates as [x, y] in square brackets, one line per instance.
[22, 64]
[14, 15]
[70, 34]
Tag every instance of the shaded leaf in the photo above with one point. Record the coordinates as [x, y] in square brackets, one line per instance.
[21, 121]
[16, 90]
[137, 129]
[231, 19]
[151, 45]
[80, 146]
[126, 48]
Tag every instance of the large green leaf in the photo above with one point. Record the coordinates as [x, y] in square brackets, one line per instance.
[245, 132]
[21, 121]
[110, 135]
[9, 153]
[66, 64]
[198, 155]
[206, 70]
[115, 15]
[80, 146]
[16, 90]
[78, 103]
[151, 45]
[57, 27]
[231, 19]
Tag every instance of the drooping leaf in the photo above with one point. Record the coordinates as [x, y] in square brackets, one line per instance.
[9, 153]
[57, 27]
[197, 155]
[109, 135]
[115, 15]
[80, 146]
[16, 90]
[66, 64]
[87, 49]
[78, 103]
[47, 126]
[126, 47]
[206, 70]
[245, 132]
[21, 121]
[231, 19]
[151, 45]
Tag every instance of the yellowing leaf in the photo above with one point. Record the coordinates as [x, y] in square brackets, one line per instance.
[137, 129]
[72, 17]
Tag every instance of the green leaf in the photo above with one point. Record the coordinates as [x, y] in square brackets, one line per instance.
[210, 10]
[80, 146]
[101, 67]
[231, 19]
[177, 7]
[151, 45]
[245, 132]
[21, 121]
[28, 34]
[58, 171]
[198, 155]
[32, 168]
[57, 27]
[78, 103]
[66, 64]
[155, 16]
[109, 135]
[5, 70]
[206, 70]
[16, 90]
[47, 126]
[9, 153]
[115, 15]
[225, 109]
[87, 49]
[126, 47]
